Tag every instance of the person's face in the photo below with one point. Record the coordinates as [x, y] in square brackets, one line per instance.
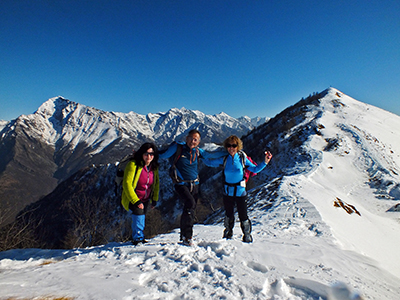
[232, 148]
[148, 156]
[193, 140]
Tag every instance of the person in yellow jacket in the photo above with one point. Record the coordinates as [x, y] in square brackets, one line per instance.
[140, 188]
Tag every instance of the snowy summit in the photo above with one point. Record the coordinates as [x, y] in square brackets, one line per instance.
[326, 228]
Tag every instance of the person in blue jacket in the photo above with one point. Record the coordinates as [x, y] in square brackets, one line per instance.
[235, 185]
[184, 173]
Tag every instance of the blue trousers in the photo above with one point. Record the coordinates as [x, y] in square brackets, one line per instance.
[138, 222]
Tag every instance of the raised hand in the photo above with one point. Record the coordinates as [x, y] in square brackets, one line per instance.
[268, 156]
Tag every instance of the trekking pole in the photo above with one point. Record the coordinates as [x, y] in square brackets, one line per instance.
[211, 206]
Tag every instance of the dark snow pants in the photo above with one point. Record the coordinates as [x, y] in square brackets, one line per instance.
[245, 224]
[189, 196]
[241, 204]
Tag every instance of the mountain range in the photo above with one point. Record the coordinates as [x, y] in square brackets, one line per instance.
[324, 212]
[40, 150]
[287, 136]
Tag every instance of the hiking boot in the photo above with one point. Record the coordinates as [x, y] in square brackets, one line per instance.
[228, 231]
[246, 229]
[247, 238]
[187, 242]
[137, 242]
[227, 234]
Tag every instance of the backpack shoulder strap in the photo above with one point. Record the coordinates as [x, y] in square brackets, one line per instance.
[223, 168]
[225, 158]
[178, 153]
[243, 156]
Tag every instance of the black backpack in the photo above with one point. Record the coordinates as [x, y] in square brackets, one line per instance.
[119, 175]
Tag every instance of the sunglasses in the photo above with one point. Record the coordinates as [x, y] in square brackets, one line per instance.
[231, 145]
[149, 153]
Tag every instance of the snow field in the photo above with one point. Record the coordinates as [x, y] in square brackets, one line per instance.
[273, 267]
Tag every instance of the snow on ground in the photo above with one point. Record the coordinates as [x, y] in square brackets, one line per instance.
[275, 266]
[368, 147]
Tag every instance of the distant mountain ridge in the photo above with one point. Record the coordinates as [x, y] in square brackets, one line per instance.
[39, 150]
[59, 118]
[311, 142]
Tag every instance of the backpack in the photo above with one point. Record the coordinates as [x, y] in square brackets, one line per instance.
[246, 172]
[119, 174]
[173, 159]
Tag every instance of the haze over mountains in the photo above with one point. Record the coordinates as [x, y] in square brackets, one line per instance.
[326, 210]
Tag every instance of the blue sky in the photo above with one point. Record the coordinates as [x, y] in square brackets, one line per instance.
[250, 58]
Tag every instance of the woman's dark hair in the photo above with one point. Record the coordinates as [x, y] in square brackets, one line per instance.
[138, 157]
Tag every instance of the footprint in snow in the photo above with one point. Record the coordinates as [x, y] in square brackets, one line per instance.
[257, 267]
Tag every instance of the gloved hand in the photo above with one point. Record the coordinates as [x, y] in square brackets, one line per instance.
[136, 206]
[153, 203]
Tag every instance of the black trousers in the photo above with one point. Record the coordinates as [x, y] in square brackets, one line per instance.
[189, 196]
[241, 204]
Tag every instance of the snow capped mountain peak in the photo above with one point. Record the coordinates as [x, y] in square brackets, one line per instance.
[50, 106]
[3, 124]
[175, 110]
[332, 89]
[246, 118]
[66, 125]
[337, 152]
[255, 122]
[61, 119]
[222, 115]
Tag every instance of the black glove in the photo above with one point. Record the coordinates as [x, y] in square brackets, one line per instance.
[134, 207]
[131, 206]
[153, 204]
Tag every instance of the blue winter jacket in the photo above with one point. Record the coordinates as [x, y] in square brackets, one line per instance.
[234, 172]
[187, 164]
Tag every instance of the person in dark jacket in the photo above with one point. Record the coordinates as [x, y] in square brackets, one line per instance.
[140, 188]
[184, 169]
[235, 185]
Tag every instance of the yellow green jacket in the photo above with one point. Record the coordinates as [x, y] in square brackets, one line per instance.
[131, 178]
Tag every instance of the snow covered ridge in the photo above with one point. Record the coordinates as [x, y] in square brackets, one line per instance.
[342, 150]
[360, 164]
